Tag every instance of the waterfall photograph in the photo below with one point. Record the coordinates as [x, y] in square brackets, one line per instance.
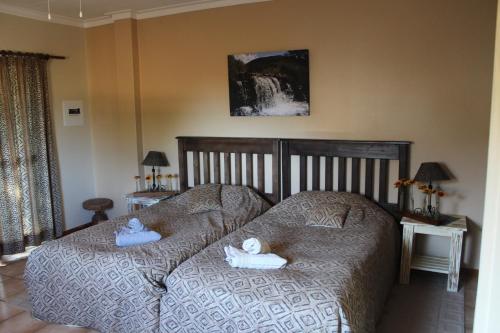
[269, 83]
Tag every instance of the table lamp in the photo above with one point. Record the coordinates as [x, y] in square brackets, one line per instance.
[429, 172]
[155, 158]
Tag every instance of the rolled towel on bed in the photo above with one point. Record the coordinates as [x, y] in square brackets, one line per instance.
[256, 246]
[241, 259]
[135, 225]
[135, 233]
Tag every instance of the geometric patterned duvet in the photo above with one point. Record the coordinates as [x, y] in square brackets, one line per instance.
[336, 280]
[85, 279]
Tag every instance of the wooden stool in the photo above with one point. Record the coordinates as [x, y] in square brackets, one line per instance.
[99, 206]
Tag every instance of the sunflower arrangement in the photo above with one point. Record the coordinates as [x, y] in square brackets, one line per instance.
[427, 191]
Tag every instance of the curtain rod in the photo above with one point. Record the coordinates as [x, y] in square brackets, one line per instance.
[27, 54]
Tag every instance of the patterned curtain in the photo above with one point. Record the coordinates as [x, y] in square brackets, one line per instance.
[30, 195]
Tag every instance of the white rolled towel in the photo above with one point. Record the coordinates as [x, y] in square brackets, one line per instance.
[256, 246]
[240, 259]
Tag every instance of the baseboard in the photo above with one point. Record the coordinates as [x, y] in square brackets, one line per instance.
[80, 227]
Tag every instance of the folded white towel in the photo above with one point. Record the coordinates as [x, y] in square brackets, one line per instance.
[241, 259]
[256, 246]
[133, 226]
[135, 233]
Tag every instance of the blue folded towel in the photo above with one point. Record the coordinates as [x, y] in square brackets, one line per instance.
[135, 233]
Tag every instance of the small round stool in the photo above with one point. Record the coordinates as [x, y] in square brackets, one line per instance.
[99, 206]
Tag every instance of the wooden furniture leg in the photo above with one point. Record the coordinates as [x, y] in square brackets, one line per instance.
[406, 254]
[454, 261]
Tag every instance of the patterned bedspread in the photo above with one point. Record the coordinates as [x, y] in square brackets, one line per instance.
[84, 279]
[336, 280]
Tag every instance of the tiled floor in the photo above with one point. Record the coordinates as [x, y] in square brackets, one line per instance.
[469, 281]
[15, 309]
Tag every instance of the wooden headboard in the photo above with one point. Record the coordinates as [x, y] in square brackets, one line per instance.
[356, 151]
[212, 149]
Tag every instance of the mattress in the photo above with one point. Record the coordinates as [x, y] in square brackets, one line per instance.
[336, 280]
[84, 279]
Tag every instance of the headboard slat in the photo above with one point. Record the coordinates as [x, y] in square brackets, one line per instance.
[355, 169]
[206, 167]
[328, 173]
[217, 173]
[227, 168]
[383, 181]
[342, 174]
[303, 173]
[315, 173]
[261, 172]
[249, 158]
[369, 175]
[237, 166]
[196, 167]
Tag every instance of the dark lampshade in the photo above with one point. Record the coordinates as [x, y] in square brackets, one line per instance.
[155, 158]
[431, 171]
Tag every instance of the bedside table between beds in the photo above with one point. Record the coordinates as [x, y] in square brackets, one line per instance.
[138, 200]
[450, 265]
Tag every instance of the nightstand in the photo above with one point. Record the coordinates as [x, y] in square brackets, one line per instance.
[138, 200]
[450, 265]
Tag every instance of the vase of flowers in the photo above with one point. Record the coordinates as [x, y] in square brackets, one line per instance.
[137, 183]
[406, 183]
[158, 181]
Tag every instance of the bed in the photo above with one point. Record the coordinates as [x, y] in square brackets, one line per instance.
[337, 279]
[83, 279]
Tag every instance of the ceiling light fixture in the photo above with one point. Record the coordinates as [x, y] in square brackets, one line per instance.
[81, 13]
[48, 10]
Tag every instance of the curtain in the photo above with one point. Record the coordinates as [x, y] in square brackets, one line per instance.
[30, 194]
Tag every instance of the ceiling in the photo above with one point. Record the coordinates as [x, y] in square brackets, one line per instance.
[96, 12]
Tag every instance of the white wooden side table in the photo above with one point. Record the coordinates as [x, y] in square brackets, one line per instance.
[138, 200]
[450, 265]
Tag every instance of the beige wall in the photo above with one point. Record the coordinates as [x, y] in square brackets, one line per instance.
[387, 70]
[67, 80]
[113, 86]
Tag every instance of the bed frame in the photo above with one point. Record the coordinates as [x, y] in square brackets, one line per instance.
[370, 151]
[227, 147]
[282, 151]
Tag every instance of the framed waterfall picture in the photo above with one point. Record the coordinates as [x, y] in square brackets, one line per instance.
[269, 83]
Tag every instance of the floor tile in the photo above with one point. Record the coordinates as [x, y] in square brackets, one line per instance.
[10, 288]
[14, 269]
[7, 311]
[21, 323]
[20, 300]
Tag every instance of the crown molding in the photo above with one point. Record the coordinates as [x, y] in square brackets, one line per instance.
[40, 16]
[191, 6]
[109, 18]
